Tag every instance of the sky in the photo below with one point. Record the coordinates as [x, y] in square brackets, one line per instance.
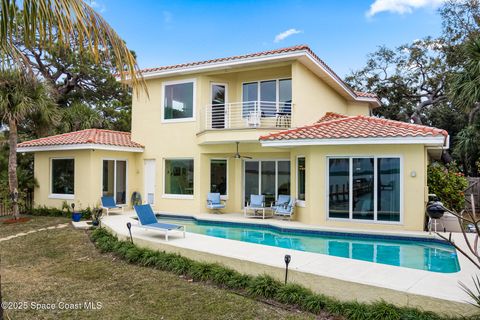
[342, 33]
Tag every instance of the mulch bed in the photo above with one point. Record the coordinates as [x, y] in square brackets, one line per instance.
[13, 220]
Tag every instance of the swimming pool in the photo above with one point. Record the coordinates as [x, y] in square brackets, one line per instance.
[417, 253]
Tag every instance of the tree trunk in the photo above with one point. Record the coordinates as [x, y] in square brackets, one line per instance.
[473, 112]
[12, 167]
[1, 300]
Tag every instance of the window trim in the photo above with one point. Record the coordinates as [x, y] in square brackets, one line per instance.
[375, 157]
[225, 196]
[194, 107]
[172, 195]
[115, 178]
[61, 196]
[300, 203]
[277, 91]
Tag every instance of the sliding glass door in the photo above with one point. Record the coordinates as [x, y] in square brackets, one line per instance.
[364, 188]
[114, 182]
[268, 177]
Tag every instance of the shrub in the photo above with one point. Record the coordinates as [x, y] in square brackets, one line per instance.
[448, 183]
[54, 212]
[262, 286]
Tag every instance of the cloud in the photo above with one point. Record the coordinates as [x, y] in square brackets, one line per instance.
[100, 7]
[281, 36]
[400, 6]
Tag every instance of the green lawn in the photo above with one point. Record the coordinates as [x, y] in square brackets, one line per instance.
[63, 266]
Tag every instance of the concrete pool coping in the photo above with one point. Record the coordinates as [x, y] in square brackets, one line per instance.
[342, 278]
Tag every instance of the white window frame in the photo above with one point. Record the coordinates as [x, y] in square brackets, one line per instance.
[260, 176]
[277, 91]
[61, 196]
[194, 108]
[177, 196]
[375, 193]
[225, 196]
[115, 179]
[300, 203]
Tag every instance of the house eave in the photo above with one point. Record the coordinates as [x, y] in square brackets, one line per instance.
[85, 146]
[427, 141]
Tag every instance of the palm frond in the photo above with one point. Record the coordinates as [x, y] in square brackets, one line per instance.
[472, 293]
[66, 22]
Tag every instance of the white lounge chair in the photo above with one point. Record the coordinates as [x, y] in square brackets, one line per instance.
[148, 220]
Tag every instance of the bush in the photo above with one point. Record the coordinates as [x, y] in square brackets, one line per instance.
[262, 286]
[54, 212]
[449, 184]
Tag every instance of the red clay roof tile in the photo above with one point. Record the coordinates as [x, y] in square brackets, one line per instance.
[337, 126]
[88, 136]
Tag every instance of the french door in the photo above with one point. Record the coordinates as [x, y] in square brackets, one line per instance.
[268, 177]
[219, 99]
[114, 182]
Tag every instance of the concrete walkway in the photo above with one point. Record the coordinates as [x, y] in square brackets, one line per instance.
[22, 234]
[342, 278]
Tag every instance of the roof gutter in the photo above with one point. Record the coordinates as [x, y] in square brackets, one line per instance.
[84, 146]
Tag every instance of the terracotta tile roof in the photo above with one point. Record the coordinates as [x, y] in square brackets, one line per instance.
[88, 136]
[331, 116]
[336, 126]
[260, 54]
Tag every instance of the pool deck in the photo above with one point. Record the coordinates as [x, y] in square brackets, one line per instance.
[343, 278]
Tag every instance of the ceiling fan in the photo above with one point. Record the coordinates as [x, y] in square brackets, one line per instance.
[237, 154]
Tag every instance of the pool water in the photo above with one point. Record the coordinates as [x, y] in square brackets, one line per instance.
[416, 253]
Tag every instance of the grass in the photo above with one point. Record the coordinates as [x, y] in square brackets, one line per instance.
[33, 224]
[260, 287]
[64, 265]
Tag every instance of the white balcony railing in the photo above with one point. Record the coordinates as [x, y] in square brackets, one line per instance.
[250, 114]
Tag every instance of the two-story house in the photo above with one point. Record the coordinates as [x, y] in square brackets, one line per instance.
[274, 122]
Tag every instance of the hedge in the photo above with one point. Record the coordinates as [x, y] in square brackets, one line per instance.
[262, 286]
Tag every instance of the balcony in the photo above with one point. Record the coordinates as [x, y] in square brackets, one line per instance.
[248, 115]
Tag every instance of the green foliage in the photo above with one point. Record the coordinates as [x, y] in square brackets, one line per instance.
[262, 286]
[64, 212]
[473, 293]
[448, 183]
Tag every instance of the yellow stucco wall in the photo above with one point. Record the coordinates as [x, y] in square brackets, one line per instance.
[413, 189]
[88, 176]
[311, 96]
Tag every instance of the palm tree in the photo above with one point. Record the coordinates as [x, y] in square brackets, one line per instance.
[20, 97]
[464, 87]
[68, 23]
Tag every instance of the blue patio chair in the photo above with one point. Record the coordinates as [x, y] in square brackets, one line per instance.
[286, 210]
[214, 202]
[282, 200]
[148, 220]
[108, 204]
[255, 205]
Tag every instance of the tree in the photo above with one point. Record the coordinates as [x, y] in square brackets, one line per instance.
[409, 79]
[20, 96]
[68, 23]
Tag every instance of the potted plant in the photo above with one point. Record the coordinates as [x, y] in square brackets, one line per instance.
[76, 215]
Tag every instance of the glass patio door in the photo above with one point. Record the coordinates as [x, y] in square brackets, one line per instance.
[219, 98]
[114, 182]
[268, 177]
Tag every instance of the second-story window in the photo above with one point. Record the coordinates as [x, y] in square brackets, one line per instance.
[269, 97]
[179, 101]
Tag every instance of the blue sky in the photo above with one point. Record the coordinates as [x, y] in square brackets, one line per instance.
[341, 32]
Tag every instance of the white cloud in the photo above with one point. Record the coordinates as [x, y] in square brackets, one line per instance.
[281, 36]
[100, 7]
[400, 6]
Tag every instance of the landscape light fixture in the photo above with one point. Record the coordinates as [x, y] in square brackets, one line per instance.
[287, 261]
[129, 227]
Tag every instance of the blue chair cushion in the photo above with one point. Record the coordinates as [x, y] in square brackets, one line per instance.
[145, 214]
[166, 226]
[213, 198]
[283, 199]
[257, 200]
[108, 202]
[216, 206]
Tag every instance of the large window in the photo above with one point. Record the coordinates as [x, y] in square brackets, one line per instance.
[63, 177]
[179, 177]
[268, 177]
[301, 166]
[364, 188]
[270, 97]
[178, 102]
[218, 176]
[114, 182]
